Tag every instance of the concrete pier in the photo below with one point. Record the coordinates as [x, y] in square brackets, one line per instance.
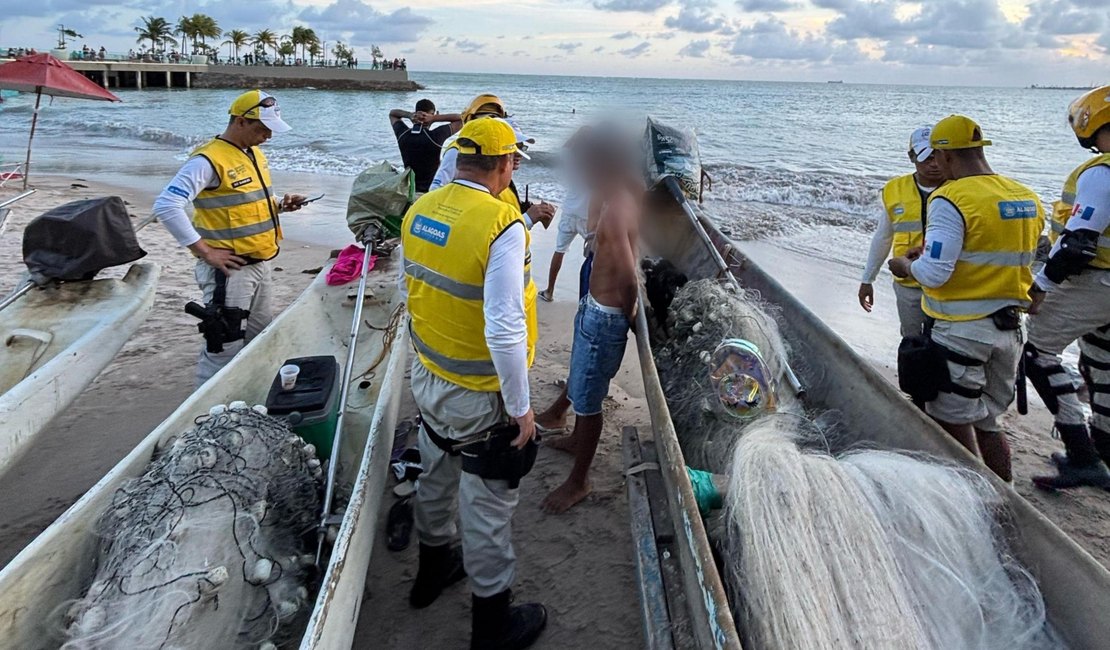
[138, 74]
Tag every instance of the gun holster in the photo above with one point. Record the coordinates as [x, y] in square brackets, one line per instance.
[490, 454]
[219, 323]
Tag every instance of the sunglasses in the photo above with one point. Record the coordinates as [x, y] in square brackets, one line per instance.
[268, 102]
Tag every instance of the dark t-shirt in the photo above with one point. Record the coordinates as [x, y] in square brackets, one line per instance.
[421, 151]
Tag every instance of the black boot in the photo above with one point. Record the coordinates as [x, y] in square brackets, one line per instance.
[440, 567]
[1101, 440]
[497, 626]
[1081, 464]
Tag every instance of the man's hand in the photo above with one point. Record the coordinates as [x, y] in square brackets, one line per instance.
[527, 424]
[542, 212]
[218, 258]
[900, 266]
[292, 202]
[866, 296]
[1036, 295]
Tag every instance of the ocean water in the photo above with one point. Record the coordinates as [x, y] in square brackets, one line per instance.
[784, 157]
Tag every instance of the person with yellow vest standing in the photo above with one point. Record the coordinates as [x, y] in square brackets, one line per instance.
[1071, 297]
[902, 224]
[234, 231]
[975, 272]
[472, 308]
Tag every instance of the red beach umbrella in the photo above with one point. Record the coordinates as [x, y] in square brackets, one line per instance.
[43, 74]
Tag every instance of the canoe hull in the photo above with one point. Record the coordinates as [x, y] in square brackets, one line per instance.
[1075, 587]
[63, 336]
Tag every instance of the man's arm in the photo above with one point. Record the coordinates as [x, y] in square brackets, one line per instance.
[194, 176]
[1089, 219]
[398, 114]
[506, 328]
[944, 241]
[881, 243]
[454, 120]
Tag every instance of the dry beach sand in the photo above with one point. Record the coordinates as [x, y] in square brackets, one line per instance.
[579, 563]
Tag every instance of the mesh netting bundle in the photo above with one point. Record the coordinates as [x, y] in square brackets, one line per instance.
[206, 548]
[703, 314]
[870, 550]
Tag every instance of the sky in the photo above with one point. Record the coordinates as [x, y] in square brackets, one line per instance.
[942, 42]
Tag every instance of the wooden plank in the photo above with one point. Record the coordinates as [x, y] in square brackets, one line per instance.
[678, 604]
[653, 600]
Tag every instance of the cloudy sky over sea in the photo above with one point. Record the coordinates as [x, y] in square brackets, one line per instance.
[972, 42]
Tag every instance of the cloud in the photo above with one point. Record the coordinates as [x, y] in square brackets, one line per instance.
[646, 6]
[695, 49]
[772, 39]
[766, 5]
[636, 51]
[624, 36]
[366, 25]
[569, 48]
[1048, 19]
[469, 46]
[599, 49]
[695, 19]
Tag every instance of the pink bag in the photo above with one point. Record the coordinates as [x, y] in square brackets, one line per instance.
[348, 266]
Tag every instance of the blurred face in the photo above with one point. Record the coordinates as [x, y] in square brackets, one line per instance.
[928, 171]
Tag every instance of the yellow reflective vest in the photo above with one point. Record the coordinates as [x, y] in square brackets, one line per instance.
[1002, 221]
[905, 208]
[240, 214]
[446, 237]
[1063, 209]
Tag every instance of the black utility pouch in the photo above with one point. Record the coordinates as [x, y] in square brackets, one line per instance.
[497, 459]
[922, 368]
[1007, 318]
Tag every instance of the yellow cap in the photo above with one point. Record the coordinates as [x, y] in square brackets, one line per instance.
[257, 105]
[478, 102]
[491, 136]
[957, 132]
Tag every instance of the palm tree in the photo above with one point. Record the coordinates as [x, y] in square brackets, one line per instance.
[237, 38]
[204, 27]
[186, 28]
[314, 50]
[63, 34]
[286, 50]
[310, 39]
[154, 29]
[264, 38]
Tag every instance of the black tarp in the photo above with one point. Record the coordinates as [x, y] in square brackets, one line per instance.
[77, 240]
[673, 151]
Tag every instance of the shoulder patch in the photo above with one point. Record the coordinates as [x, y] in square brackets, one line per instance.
[173, 189]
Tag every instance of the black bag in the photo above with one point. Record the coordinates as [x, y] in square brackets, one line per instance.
[77, 240]
[497, 459]
[922, 368]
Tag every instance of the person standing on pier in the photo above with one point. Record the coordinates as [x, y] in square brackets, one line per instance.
[235, 231]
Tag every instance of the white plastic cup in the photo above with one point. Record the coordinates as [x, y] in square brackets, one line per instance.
[288, 375]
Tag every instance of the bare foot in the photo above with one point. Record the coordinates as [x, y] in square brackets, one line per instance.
[552, 421]
[562, 443]
[565, 496]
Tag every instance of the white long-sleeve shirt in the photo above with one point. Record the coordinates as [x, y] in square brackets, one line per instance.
[1091, 211]
[882, 241]
[944, 241]
[196, 175]
[447, 169]
[506, 327]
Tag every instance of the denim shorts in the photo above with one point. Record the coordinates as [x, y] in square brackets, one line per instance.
[600, 336]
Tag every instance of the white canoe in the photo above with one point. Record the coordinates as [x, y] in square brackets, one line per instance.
[1076, 588]
[61, 561]
[56, 340]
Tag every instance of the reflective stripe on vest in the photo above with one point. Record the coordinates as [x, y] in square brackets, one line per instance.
[904, 206]
[446, 238]
[1062, 210]
[239, 214]
[1002, 221]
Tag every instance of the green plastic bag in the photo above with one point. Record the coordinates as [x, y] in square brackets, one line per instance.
[380, 196]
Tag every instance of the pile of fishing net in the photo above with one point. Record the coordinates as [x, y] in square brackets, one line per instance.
[867, 549]
[207, 548]
[702, 315]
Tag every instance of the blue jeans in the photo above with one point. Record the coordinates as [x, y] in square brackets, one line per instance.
[600, 336]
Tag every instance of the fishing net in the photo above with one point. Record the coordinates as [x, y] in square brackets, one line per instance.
[207, 547]
[873, 549]
[703, 314]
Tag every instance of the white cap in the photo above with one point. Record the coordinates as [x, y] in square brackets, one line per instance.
[520, 137]
[919, 144]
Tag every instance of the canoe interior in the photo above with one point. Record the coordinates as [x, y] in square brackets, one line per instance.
[1076, 588]
[60, 563]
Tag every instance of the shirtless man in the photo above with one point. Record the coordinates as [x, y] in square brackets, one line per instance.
[604, 317]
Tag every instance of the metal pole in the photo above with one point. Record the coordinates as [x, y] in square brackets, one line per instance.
[16, 295]
[337, 439]
[34, 121]
[672, 184]
[4, 204]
